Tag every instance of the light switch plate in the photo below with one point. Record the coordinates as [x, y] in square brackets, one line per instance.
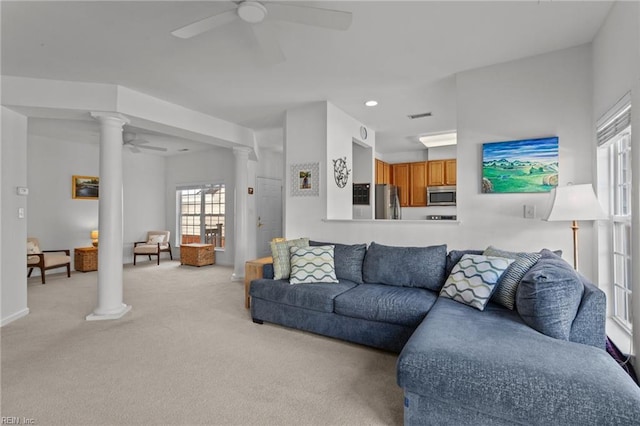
[22, 190]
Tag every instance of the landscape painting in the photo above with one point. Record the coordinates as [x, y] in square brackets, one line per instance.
[529, 165]
[85, 187]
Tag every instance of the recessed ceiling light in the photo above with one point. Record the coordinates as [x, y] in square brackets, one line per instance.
[443, 139]
[371, 103]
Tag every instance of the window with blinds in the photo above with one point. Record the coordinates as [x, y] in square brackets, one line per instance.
[614, 149]
[201, 214]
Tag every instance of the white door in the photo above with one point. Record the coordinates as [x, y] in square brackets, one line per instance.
[269, 211]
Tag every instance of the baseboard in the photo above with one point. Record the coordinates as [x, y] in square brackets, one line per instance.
[13, 317]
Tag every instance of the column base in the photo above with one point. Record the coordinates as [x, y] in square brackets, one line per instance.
[237, 277]
[110, 316]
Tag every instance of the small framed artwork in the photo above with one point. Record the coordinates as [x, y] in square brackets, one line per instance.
[305, 180]
[528, 165]
[85, 187]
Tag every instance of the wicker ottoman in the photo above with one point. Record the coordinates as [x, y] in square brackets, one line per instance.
[85, 259]
[197, 254]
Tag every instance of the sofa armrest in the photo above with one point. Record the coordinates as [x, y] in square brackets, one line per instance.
[65, 251]
[254, 270]
[589, 324]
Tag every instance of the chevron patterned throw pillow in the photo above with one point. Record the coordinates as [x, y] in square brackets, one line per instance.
[474, 278]
[312, 265]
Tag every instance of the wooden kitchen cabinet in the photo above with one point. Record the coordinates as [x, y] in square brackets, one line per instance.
[418, 184]
[401, 180]
[383, 172]
[441, 172]
[411, 180]
[386, 173]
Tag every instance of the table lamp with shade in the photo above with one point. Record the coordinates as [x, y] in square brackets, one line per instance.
[573, 203]
[94, 237]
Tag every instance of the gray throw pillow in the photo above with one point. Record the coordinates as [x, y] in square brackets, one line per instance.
[422, 267]
[505, 293]
[348, 260]
[549, 296]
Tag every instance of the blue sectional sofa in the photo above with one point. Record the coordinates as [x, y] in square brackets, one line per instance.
[543, 362]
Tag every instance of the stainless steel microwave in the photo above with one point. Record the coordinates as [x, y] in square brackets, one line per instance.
[441, 195]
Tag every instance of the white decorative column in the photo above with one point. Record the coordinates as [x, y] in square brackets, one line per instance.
[241, 211]
[110, 284]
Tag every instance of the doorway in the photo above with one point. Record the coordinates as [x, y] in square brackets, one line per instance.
[269, 209]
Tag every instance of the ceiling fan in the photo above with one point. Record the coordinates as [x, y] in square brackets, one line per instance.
[131, 141]
[255, 12]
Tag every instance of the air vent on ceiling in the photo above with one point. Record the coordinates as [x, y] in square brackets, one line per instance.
[414, 116]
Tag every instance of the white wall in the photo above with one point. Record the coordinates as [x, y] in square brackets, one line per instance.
[616, 71]
[342, 129]
[544, 95]
[404, 157]
[55, 218]
[59, 221]
[442, 152]
[214, 166]
[144, 192]
[13, 275]
[305, 141]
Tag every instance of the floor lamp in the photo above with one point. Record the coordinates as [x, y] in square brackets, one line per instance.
[573, 203]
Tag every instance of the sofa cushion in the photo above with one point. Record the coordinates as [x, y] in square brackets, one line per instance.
[422, 267]
[549, 296]
[312, 265]
[315, 296]
[474, 278]
[281, 256]
[347, 259]
[505, 293]
[385, 303]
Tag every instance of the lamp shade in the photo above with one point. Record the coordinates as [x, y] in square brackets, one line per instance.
[94, 234]
[574, 202]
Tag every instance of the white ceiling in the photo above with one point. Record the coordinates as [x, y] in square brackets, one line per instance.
[403, 54]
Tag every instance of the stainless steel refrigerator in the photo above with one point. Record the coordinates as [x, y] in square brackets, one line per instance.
[387, 202]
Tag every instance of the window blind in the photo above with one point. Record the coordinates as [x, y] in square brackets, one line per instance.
[614, 122]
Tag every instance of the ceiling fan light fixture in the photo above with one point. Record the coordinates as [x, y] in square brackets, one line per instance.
[252, 12]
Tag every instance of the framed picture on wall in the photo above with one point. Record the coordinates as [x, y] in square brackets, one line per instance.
[528, 165]
[85, 187]
[305, 180]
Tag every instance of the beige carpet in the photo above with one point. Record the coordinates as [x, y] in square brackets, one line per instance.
[187, 353]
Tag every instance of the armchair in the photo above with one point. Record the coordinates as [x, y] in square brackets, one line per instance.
[46, 259]
[157, 242]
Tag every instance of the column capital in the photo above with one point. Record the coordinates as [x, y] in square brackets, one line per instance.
[241, 151]
[107, 116]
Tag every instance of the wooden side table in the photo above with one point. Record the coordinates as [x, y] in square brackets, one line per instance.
[85, 259]
[253, 271]
[197, 254]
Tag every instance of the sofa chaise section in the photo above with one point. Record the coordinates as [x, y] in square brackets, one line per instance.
[464, 366]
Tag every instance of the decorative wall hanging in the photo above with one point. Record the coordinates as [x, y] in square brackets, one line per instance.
[529, 165]
[341, 172]
[305, 180]
[85, 187]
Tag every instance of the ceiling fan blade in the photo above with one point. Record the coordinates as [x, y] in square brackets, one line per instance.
[134, 149]
[268, 42]
[153, 148]
[326, 18]
[138, 142]
[206, 24]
